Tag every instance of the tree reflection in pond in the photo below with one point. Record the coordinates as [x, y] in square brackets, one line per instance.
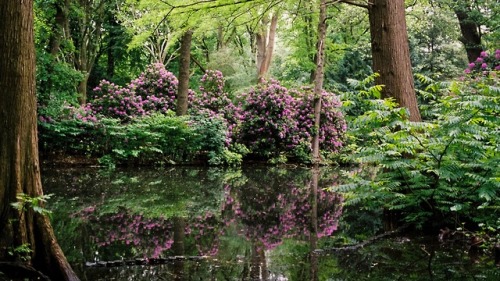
[251, 224]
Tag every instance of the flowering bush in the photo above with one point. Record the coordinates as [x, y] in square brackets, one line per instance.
[212, 97]
[269, 119]
[114, 101]
[113, 230]
[277, 120]
[332, 123]
[157, 87]
[485, 63]
[281, 208]
[153, 91]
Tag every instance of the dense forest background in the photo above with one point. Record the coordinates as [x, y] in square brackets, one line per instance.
[403, 93]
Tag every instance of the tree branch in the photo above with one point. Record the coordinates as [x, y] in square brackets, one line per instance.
[363, 4]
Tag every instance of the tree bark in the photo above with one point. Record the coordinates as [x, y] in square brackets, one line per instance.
[265, 45]
[471, 37]
[185, 59]
[313, 235]
[391, 53]
[268, 48]
[19, 164]
[318, 79]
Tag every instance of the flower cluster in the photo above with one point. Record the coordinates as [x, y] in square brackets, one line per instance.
[153, 236]
[277, 119]
[484, 63]
[269, 119]
[332, 123]
[114, 101]
[281, 210]
[156, 86]
[153, 91]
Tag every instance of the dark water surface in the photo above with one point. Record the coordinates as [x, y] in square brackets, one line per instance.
[254, 223]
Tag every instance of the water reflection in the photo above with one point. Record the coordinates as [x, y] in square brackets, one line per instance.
[188, 213]
[258, 223]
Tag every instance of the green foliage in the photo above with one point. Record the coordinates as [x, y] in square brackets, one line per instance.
[157, 138]
[445, 168]
[23, 252]
[26, 202]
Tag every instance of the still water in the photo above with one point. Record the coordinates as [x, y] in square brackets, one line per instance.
[254, 223]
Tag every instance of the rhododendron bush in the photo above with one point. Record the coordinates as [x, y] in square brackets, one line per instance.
[267, 121]
[277, 120]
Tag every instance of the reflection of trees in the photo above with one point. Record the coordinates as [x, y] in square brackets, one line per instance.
[272, 206]
[132, 215]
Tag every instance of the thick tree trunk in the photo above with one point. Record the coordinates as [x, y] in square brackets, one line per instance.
[318, 79]
[185, 59]
[391, 54]
[19, 165]
[471, 37]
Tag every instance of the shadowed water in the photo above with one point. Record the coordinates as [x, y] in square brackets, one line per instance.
[257, 223]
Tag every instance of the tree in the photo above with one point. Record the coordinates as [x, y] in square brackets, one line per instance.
[318, 79]
[391, 53]
[184, 62]
[86, 26]
[470, 29]
[265, 45]
[25, 227]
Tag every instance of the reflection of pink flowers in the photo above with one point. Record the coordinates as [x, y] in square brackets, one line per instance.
[271, 217]
[153, 236]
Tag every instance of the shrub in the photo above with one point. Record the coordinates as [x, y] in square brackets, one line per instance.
[269, 119]
[332, 123]
[154, 91]
[114, 101]
[157, 88]
[156, 138]
[439, 171]
[484, 64]
[213, 97]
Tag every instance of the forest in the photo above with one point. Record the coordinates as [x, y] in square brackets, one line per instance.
[404, 96]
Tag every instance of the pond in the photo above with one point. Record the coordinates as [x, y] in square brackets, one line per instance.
[254, 223]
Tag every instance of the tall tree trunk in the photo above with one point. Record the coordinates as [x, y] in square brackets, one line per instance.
[471, 37]
[185, 59]
[391, 53]
[265, 45]
[178, 248]
[309, 32]
[258, 263]
[318, 79]
[268, 47]
[19, 164]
